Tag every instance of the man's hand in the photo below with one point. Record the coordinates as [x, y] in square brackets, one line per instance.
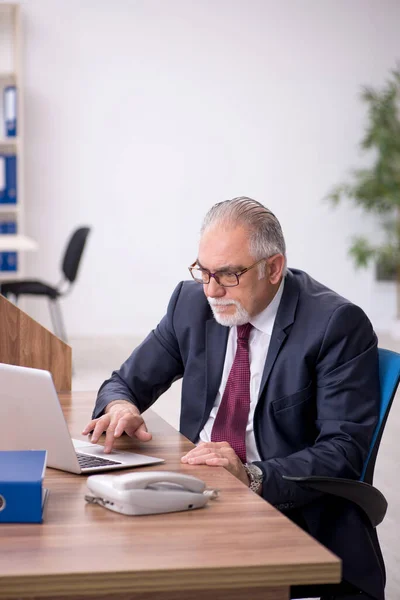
[120, 416]
[217, 454]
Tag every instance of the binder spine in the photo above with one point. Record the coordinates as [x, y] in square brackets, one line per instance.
[21, 502]
[10, 111]
[21, 485]
[8, 179]
[3, 183]
[8, 260]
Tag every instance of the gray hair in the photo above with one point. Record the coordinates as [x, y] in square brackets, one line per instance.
[265, 232]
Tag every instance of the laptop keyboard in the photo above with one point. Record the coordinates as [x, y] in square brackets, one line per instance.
[87, 461]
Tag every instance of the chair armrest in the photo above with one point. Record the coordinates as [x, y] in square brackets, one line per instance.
[367, 497]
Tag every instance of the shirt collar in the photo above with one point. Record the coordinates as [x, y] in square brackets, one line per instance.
[265, 320]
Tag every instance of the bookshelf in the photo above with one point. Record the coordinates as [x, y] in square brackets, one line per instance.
[13, 242]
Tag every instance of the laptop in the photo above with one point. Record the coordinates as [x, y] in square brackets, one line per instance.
[31, 418]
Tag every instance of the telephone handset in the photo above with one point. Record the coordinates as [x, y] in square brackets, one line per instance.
[147, 493]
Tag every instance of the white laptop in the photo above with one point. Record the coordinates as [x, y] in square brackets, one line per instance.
[31, 419]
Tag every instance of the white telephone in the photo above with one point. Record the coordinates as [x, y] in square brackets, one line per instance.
[148, 493]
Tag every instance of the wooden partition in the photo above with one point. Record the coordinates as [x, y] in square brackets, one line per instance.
[24, 342]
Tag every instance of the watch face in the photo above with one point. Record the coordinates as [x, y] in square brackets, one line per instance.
[255, 471]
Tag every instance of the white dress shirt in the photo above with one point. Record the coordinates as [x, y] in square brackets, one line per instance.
[260, 337]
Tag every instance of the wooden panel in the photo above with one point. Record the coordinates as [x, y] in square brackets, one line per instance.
[9, 336]
[280, 593]
[26, 343]
[237, 543]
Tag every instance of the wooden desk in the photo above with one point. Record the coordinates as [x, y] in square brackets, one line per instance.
[238, 547]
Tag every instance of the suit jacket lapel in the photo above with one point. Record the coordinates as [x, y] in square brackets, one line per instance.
[284, 319]
[216, 341]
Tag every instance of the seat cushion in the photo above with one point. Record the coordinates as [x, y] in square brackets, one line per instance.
[31, 287]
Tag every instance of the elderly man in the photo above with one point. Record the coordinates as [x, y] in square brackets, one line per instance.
[280, 377]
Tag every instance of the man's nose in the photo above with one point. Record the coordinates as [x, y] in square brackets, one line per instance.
[213, 289]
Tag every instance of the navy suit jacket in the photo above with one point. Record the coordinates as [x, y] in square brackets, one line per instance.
[317, 409]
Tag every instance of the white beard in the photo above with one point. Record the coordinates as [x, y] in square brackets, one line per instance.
[239, 317]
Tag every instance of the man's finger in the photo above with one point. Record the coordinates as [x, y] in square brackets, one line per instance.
[195, 453]
[204, 448]
[213, 445]
[110, 437]
[198, 451]
[125, 423]
[202, 459]
[217, 462]
[142, 434]
[99, 428]
[186, 457]
[227, 451]
[89, 427]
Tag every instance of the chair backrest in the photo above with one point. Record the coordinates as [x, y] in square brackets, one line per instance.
[73, 253]
[389, 375]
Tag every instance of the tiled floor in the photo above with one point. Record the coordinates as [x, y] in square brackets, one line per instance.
[94, 360]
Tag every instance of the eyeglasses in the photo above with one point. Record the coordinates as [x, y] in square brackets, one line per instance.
[223, 278]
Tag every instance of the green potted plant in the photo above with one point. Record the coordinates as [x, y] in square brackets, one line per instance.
[377, 189]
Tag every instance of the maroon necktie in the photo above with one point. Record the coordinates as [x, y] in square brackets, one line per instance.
[233, 413]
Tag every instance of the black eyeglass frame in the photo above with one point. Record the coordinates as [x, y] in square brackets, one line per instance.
[215, 275]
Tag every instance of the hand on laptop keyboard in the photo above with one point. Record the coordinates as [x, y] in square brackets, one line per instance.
[120, 416]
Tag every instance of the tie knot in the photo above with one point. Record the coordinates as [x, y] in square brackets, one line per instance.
[243, 331]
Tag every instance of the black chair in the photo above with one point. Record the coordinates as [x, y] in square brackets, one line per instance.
[70, 265]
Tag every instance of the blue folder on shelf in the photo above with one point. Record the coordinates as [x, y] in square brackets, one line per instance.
[10, 111]
[22, 496]
[8, 225]
[8, 260]
[8, 179]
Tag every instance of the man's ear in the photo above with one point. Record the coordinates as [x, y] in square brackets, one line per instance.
[276, 264]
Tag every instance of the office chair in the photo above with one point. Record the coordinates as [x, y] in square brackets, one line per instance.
[362, 492]
[70, 265]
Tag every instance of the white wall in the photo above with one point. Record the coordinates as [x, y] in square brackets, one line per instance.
[140, 114]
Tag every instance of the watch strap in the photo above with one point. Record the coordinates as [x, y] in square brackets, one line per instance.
[255, 476]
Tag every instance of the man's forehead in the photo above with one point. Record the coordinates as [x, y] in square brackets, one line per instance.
[222, 252]
[216, 265]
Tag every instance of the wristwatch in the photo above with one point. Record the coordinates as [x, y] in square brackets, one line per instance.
[255, 476]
